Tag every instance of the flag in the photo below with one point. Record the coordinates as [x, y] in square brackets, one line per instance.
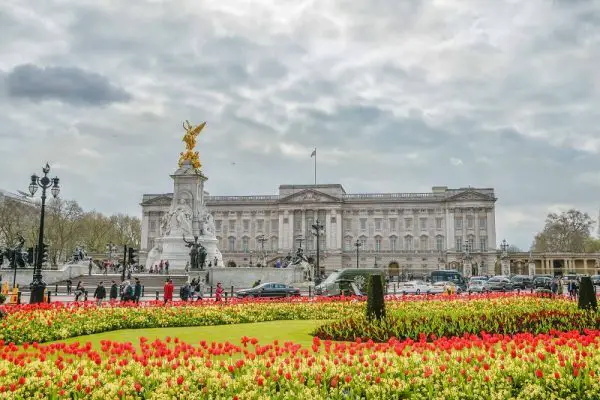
[314, 153]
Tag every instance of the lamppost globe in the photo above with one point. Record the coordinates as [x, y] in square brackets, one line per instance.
[55, 188]
[33, 186]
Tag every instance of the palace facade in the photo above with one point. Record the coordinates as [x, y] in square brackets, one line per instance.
[410, 233]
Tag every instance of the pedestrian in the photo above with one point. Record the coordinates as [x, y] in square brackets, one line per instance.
[90, 266]
[554, 287]
[184, 292]
[99, 293]
[219, 292]
[168, 291]
[69, 284]
[137, 292]
[167, 267]
[79, 290]
[114, 291]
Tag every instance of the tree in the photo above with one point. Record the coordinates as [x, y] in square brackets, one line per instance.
[513, 249]
[565, 232]
[375, 297]
[587, 294]
[63, 232]
[16, 217]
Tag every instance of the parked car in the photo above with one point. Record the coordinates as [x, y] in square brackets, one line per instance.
[522, 282]
[415, 287]
[498, 284]
[596, 280]
[445, 287]
[542, 282]
[269, 290]
[345, 281]
[476, 286]
[478, 278]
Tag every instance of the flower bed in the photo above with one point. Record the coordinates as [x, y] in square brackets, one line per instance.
[508, 315]
[492, 366]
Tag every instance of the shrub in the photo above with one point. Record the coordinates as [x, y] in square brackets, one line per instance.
[587, 294]
[375, 301]
[2, 298]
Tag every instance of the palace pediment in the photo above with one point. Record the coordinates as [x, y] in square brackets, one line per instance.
[160, 200]
[310, 196]
[471, 195]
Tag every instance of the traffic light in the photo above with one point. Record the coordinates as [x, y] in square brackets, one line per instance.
[132, 256]
[44, 253]
[30, 258]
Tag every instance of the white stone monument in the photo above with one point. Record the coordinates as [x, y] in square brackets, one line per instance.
[188, 219]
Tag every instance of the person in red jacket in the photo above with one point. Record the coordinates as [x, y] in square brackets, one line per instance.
[168, 291]
[219, 292]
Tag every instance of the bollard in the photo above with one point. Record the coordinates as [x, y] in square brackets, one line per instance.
[86, 294]
[19, 297]
[49, 295]
[310, 291]
[56, 290]
[211, 291]
[142, 295]
[394, 289]
[157, 295]
[225, 293]
[231, 290]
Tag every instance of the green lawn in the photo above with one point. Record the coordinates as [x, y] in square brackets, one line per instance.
[266, 332]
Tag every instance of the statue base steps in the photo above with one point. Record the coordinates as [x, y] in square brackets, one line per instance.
[177, 253]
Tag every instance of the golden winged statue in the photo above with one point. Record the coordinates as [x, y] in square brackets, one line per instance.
[191, 133]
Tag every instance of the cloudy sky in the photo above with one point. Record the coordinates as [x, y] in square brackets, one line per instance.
[397, 95]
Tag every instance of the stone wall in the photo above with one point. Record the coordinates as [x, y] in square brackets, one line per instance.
[25, 276]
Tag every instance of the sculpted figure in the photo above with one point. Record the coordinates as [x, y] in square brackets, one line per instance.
[191, 133]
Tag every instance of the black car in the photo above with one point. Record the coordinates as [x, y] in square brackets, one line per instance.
[269, 290]
[542, 282]
[596, 280]
[522, 282]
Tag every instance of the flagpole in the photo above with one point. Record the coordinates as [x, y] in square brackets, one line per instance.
[315, 167]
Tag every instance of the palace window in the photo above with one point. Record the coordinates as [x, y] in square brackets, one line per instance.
[363, 224]
[245, 244]
[470, 222]
[246, 225]
[363, 242]
[152, 226]
[424, 245]
[218, 225]
[393, 224]
[482, 222]
[347, 224]
[438, 223]
[274, 243]
[423, 223]
[274, 225]
[458, 223]
[459, 243]
[378, 244]
[408, 224]
[348, 244]
[378, 224]
[439, 243]
[470, 243]
[260, 225]
[232, 226]
[393, 243]
[408, 243]
[232, 244]
[483, 243]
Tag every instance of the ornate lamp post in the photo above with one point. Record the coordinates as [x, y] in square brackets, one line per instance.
[317, 231]
[504, 261]
[37, 286]
[467, 258]
[262, 239]
[357, 244]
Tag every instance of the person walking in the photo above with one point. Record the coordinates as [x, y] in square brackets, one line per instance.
[79, 291]
[219, 292]
[137, 292]
[90, 266]
[114, 291]
[168, 291]
[100, 293]
[69, 286]
[167, 267]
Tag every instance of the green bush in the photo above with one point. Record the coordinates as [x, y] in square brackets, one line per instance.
[2, 298]
[375, 301]
[587, 294]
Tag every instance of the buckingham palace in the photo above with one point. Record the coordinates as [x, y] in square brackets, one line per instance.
[409, 233]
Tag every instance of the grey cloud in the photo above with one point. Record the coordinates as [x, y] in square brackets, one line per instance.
[67, 84]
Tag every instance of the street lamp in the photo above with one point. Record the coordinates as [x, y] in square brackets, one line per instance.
[37, 286]
[357, 244]
[504, 246]
[317, 231]
[262, 239]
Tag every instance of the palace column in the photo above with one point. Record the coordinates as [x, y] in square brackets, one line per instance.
[303, 232]
[280, 232]
[339, 241]
[328, 231]
[291, 225]
[449, 230]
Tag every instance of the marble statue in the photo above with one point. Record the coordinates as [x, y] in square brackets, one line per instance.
[152, 258]
[191, 133]
[178, 220]
[208, 225]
